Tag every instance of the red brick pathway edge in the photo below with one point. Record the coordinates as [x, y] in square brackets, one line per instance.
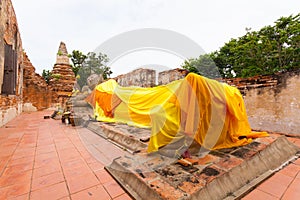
[284, 184]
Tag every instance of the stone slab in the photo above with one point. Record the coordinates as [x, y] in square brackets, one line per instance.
[227, 173]
[127, 137]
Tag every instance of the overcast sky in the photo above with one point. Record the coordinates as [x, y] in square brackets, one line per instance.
[85, 24]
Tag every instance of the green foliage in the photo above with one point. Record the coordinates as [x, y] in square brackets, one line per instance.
[46, 75]
[190, 67]
[203, 65]
[55, 76]
[77, 58]
[90, 64]
[59, 53]
[270, 50]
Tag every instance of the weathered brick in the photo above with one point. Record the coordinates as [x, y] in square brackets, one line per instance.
[35, 89]
[139, 77]
[166, 77]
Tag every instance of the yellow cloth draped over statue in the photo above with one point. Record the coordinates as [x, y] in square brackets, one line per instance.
[206, 110]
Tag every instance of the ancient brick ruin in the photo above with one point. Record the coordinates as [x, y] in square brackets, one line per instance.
[63, 78]
[166, 77]
[21, 88]
[37, 94]
[11, 68]
[139, 77]
[147, 77]
[272, 102]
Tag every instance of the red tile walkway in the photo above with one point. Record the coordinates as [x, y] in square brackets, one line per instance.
[45, 159]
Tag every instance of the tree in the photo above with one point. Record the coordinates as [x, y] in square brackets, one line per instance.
[47, 75]
[267, 51]
[203, 65]
[77, 58]
[93, 64]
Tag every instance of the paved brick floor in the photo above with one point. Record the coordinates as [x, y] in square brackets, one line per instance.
[44, 159]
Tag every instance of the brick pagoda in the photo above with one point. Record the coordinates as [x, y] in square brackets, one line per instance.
[63, 78]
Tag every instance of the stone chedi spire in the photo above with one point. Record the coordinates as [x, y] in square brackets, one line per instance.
[62, 55]
[63, 78]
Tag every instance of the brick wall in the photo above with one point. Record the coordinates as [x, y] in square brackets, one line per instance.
[255, 82]
[147, 77]
[139, 77]
[166, 77]
[35, 89]
[272, 102]
[10, 105]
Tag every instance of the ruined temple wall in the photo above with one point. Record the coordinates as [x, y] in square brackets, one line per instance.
[10, 104]
[37, 94]
[139, 77]
[147, 77]
[166, 77]
[272, 102]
